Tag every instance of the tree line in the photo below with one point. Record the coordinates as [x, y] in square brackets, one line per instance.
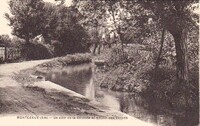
[138, 19]
[57, 24]
[75, 28]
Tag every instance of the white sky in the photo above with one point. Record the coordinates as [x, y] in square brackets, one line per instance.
[4, 28]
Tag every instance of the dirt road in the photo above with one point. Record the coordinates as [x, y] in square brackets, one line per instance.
[16, 99]
[51, 99]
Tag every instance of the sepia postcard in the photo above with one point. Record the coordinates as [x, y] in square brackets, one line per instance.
[99, 62]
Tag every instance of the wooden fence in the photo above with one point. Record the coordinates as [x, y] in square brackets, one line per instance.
[9, 54]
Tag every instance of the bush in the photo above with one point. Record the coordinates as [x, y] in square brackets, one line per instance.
[117, 56]
[165, 95]
[35, 51]
[59, 62]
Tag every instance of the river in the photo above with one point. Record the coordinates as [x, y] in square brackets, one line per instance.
[79, 78]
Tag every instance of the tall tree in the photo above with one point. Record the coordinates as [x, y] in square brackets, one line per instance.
[50, 21]
[93, 15]
[62, 25]
[175, 17]
[161, 48]
[25, 18]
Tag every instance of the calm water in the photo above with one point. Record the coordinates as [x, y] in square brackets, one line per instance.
[79, 78]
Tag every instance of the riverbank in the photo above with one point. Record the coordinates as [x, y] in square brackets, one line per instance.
[22, 93]
[159, 90]
[126, 76]
[68, 101]
[123, 74]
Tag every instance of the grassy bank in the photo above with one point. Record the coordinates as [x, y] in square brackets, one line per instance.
[71, 59]
[36, 73]
[165, 95]
[65, 102]
[134, 72]
[159, 89]
[123, 74]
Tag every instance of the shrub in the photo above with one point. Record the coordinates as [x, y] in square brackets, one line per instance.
[35, 51]
[117, 56]
[164, 92]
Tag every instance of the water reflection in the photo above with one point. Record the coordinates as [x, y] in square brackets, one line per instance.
[125, 102]
[79, 78]
[75, 78]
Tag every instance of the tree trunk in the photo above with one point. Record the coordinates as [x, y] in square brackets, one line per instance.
[120, 37]
[26, 48]
[27, 39]
[161, 48]
[180, 38]
[95, 47]
[99, 48]
[118, 29]
[96, 37]
[181, 55]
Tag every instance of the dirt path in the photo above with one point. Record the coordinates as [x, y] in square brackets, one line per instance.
[15, 99]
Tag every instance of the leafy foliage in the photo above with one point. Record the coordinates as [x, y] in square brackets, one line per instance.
[71, 35]
[5, 40]
[25, 18]
[30, 18]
